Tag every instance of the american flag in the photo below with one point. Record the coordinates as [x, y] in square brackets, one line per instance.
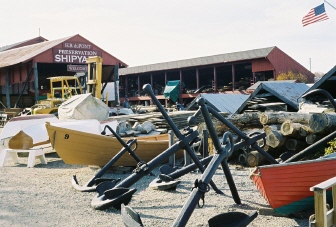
[315, 14]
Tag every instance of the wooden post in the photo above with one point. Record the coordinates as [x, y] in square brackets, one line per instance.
[152, 82]
[323, 217]
[36, 84]
[139, 86]
[197, 79]
[181, 82]
[126, 86]
[7, 89]
[171, 142]
[205, 143]
[166, 78]
[215, 80]
[233, 78]
[187, 159]
[116, 85]
[166, 101]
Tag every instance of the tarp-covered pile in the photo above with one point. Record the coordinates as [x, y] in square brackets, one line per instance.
[82, 107]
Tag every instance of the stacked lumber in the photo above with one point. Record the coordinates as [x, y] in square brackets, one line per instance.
[265, 102]
[180, 119]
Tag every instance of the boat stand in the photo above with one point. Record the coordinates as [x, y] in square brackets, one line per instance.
[185, 139]
[91, 185]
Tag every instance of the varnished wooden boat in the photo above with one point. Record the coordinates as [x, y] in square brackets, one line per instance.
[286, 186]
[83, 148]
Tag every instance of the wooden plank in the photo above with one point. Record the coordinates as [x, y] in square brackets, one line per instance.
[324, 185]
[320, 207]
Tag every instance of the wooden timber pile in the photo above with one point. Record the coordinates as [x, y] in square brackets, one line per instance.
[265, 103]
[288, 133]
[180, 119]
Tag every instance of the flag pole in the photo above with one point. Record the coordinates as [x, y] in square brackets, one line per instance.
[330, 4]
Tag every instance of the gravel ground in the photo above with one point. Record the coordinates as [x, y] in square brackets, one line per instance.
[44, 196]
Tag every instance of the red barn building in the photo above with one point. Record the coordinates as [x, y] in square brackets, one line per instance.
[227, 73]
[27, 65]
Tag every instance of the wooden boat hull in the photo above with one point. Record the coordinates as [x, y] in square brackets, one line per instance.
[76, 147]
[286, 186]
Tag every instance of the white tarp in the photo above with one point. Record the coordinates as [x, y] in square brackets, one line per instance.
[16, 124]
[89, 126]
[84, 106]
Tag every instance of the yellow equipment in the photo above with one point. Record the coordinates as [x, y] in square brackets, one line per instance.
[94, 80]
[61, 88]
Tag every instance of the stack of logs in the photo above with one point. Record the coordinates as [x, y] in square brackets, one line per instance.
[288, 133]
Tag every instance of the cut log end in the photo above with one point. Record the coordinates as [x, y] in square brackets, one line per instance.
[254, 158]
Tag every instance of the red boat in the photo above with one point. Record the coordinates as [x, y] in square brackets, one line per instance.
[286, 186]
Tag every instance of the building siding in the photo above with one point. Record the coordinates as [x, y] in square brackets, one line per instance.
[260, 65]
[284, 63]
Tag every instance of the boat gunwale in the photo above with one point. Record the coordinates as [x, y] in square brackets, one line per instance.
[321, 159]
[51, 127]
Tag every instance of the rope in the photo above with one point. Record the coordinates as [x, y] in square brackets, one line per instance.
[255, 174]
[203, 188]
[141, 167]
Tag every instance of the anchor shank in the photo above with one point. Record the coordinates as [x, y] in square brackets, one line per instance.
[110, 163]
[196, 194]
[148, 89]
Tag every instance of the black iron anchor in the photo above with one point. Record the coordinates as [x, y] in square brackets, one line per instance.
[132, 218]
[91, 185]
[222, 152]
[102, 201]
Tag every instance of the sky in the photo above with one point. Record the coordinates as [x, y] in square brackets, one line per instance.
[141, 32]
